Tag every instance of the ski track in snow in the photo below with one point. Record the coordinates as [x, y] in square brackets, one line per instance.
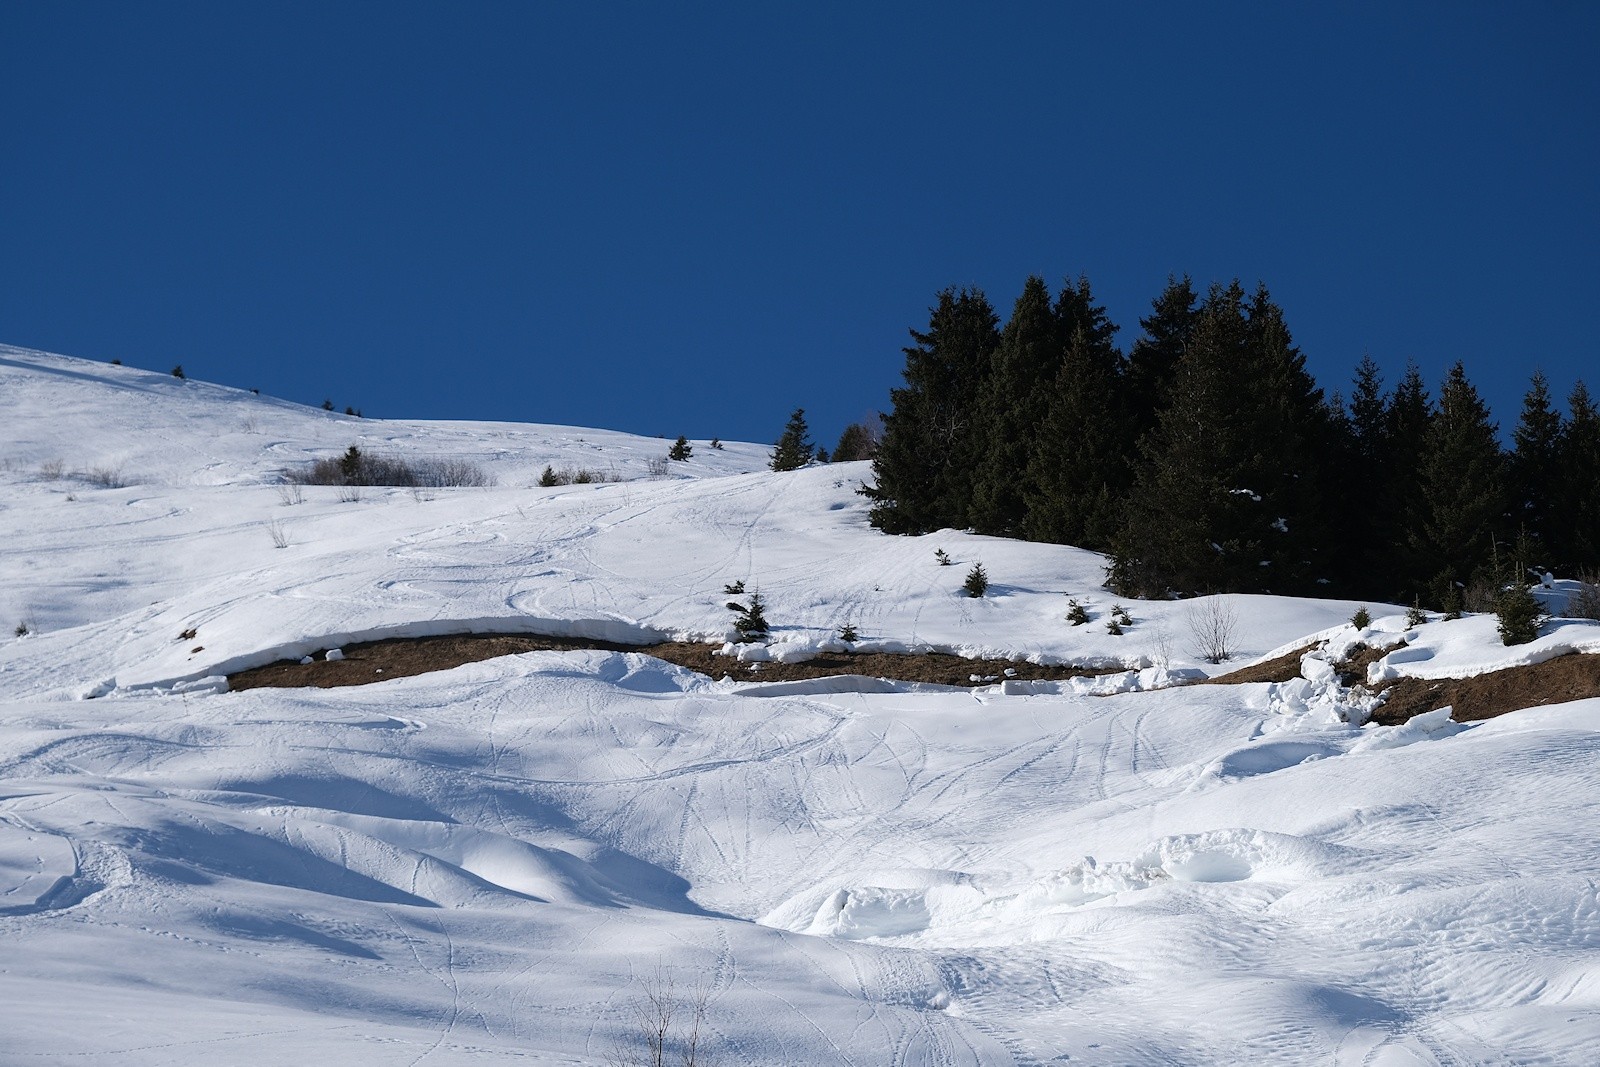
[491, 864]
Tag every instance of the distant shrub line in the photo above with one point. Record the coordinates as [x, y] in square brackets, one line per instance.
[357, 468]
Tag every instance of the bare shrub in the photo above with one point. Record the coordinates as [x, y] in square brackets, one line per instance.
[579, 476]
[349, 494]
[355, 467]
[667, 1027]
[1584, 603]
[52, 469]
[279, 534]
[656, 466]
[450, 474]
[1161, 643]
[1213, 623]
[104, 477]
[290, 494]
[1482, 593]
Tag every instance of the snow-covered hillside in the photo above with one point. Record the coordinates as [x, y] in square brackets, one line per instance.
[496, 862]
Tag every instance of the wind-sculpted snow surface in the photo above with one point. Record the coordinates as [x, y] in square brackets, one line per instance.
[492, 863]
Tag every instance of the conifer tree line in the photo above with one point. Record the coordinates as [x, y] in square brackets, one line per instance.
[1205, 458]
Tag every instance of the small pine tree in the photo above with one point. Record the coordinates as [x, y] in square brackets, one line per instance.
[750, 621]
[822, 454]
[1114, 627]
[549, 478]
[1077, 615]
[1520, 614]
[716, 443]
[977, 582]
[327, 404]
[793, 449]
[943, 557]
[177, 372]
[681, 449]
[352, 465]
[1362, 618]
[847, 634]
[856, 443]
[1415, 616]
[1120, 614]
[734, 588]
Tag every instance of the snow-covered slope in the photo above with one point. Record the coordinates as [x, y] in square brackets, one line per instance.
[494, 863]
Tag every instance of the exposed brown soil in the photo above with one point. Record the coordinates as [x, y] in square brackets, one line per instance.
[1570, 677]
[402, 657]
[1278, 669]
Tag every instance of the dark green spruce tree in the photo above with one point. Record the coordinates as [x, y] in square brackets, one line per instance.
[1293, 446]
[1402, 573]
[1460, 508]
[1230, 492]
[1153, 360]
[923, 468]
[1368, 526]
[793, 450]
[1013, 403]
[1182, 515]
[1079, 467]
[1534, 469]
[1576, 527]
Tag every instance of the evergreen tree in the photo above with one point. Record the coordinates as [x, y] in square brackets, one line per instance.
[1014, 402]
[1534, 468]
[1183, 517]
[1079, 467]
[1368, 421]
[793, 450]
[1575, 531]
[1230, 492]
[681, 449]
[855, 443]
[1153, 361]
[1361, 429]
[1292, 451]
[923, 468]
[1461, 500]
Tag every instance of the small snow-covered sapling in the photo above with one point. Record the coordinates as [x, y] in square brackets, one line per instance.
[1362, 618]
[1077, 615]
[847, 634]
[943, 557]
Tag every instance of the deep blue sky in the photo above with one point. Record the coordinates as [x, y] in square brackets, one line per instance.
[692, 218]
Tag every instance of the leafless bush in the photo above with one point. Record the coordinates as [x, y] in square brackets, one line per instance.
[290, 494]
[52, 469]
[656, 466]
[349, 494]
[104, 477]
[668, 1027]
[279, 534]
[355, 467]
[1584, 603]
[1481, 593]
[577, 476]
[1213, 623]
[1161, 643]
